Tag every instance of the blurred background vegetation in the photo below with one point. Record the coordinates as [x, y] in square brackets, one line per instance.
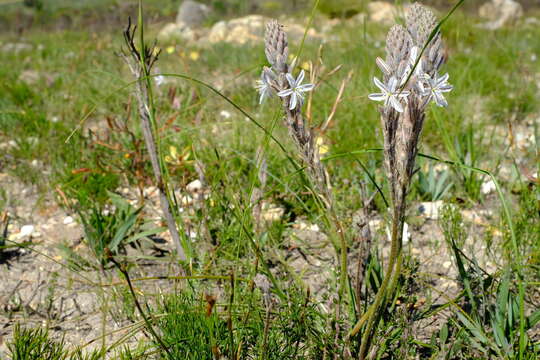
[20, 15]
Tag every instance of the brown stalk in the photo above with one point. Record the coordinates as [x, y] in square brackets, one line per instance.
[140, 65]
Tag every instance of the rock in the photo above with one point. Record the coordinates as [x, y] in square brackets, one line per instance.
[194, 187]
[225, 114]
[240, 31]
[382, 12]
[250, 29]
[271, 212]
[488, 187]
[430, 209]
[192, 13]
[309, 234]
[68, 220]
[30, 77]
[178, 32]
[474, 217]
[500, 13]
[16, 48]
[26, 230]
[406, 236]
[150, 191]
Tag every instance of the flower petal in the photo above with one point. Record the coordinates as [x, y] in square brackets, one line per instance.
[291, 80]
[396, 104]
[383, 66]
[292, 101]
[380, 85]
[284, 93]
[445, 88]
[305, 87]
[300, 78]
[443, 79]
[393, 83]
[403, 94]
[377, 96]
[439, 99]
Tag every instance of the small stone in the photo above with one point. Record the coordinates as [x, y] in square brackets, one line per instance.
[406, 234]
[192, 234]
[375, 225]
[225, 114]
[473, 217]
[500, 13]
[250, 29]
[195, 186]
[177, 32]
[488, 187]
[382, 12]
[447, 264]
[30, 77]
[430, 209]
[186, 200]
[16, 48]
[150, 191]
[68, 220]
[271, 212]
[26, 230]
[192, 13]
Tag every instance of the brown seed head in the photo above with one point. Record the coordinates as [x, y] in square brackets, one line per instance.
[276, 46]
[420, 23]
[398, 45]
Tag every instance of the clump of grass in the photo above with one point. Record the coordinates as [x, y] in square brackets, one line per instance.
[36, 344]
[202, 328]
[109, 227]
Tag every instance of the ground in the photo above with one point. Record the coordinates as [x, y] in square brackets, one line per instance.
[73, 148]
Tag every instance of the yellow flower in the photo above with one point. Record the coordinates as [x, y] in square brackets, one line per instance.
[176, 158]
[170, 49]
[173, 154]
[305, 65]
[194, 55]
[323, 148]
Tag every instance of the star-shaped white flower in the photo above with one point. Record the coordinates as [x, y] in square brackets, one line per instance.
[263, 86]
[296, 91]
[436, 86]
[390, 94]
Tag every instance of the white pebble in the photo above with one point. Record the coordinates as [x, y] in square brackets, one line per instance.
[194, 186]
[68, 220]
[26, 230]
[488, 187]
[225, 114]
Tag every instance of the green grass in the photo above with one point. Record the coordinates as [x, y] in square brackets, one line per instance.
[62, 120]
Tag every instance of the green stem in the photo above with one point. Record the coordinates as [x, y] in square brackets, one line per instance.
[381, 293]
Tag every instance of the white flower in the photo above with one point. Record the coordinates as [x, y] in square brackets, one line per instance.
[390, 94]
[296, 90]
[263, 87]
[160, 80]
[436, 86]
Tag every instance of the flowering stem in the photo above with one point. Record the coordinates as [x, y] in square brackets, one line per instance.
[395, 251]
